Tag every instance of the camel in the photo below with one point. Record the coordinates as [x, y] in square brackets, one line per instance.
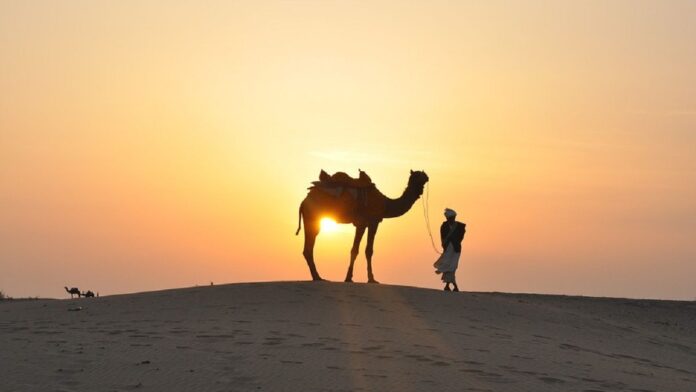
[88, 294]
[73, 291]
[355, 201]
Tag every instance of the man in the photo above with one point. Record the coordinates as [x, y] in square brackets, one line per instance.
[451, 235]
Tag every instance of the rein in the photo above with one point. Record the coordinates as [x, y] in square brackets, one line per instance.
[426, 215]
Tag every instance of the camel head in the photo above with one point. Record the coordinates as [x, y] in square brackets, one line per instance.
[417, 181]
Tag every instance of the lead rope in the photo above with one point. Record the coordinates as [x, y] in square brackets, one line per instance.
[426, 215]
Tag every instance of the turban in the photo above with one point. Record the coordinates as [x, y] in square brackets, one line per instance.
[450, 213]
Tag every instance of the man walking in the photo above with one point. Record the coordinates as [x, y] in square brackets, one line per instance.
[451, 235]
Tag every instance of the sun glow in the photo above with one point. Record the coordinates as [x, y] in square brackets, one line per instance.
[328, 225]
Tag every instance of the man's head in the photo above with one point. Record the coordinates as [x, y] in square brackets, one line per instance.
[450, 214]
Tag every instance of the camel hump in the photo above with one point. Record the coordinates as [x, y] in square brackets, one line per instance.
[344, 180]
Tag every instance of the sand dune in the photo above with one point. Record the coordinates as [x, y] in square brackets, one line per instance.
[304, 336]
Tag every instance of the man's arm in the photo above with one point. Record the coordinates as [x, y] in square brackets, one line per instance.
[461, 232]
[443, 234]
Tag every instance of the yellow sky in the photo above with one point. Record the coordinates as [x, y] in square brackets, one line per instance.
[156, 144]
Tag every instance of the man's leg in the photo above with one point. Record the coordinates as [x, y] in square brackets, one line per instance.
[454, 281]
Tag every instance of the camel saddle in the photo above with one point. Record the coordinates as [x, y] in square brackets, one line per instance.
[343, 180]
[340, 183]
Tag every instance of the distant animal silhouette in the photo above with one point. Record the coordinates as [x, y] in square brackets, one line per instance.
[88, 294]
[357, 201]
[73, 291]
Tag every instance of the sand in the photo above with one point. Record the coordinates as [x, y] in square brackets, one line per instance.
[305, 336]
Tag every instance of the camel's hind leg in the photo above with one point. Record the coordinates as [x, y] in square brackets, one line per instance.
[369, 250]
[310, 234]
[359, 231]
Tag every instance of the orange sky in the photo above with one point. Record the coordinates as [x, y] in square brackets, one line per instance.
[156, 144]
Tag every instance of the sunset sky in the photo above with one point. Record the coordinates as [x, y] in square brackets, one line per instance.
[156, 144]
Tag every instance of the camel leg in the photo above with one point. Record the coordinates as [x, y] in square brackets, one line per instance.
[359, 231]
[369, 250]
[310, 234]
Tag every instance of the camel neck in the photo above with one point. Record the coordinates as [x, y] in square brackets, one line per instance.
[397, 207]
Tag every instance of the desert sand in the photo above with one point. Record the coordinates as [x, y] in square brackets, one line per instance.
[306, 336]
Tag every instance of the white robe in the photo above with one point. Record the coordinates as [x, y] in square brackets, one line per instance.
[448, 261]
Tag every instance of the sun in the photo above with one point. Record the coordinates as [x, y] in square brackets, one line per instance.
[328, 225]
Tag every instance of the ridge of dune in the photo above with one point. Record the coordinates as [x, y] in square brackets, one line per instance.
[346, 337]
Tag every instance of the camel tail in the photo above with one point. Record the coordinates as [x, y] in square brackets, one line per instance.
[299, 220]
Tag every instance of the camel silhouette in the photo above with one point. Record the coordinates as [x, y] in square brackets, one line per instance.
[356, 201]
[73, 291]
[88, 294]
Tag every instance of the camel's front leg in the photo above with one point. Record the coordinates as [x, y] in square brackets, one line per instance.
[369, 250]
[359, 231]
